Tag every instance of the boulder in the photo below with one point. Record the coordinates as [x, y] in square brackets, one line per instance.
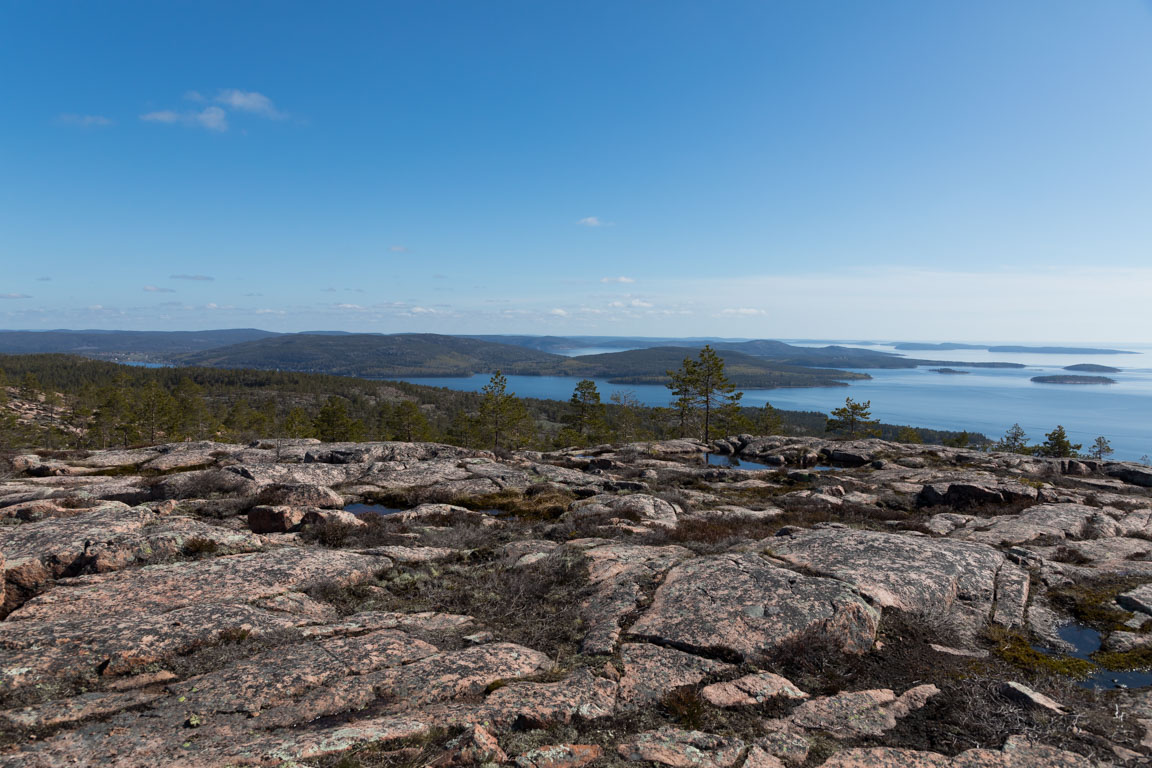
[743, 607]
[652, 672]
[300, 495]
[682, 749]
[750, 690]
[275, 519]
[859, 713]
[967, 583]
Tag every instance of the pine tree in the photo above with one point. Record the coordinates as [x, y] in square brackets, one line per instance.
[334, 425]
[501, 419]
[1014, 441]
[771, 422]
[587, 415]
[908, 435]
[1057, 444]
[853, 417]
[405, 421]
[1101, 449]
[703, 392]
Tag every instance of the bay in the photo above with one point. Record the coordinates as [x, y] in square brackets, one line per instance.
[984, 400]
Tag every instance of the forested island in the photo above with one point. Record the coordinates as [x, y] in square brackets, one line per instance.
[1063, 379]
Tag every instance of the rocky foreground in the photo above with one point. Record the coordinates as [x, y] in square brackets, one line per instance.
[861, 604]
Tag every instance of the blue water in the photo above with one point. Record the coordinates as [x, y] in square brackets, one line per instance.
[987, 400]
[1086, 642]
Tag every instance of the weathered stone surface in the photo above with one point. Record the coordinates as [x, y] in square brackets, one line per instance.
[462, 673]
[270, 519]
[1022, 694]
[965, 581]
[247, 687]
[1044, 522]
[860, 713]
[1016, 753]
[750, 690]
[539, 705]
[300, 495]
[211, 659]
[682, 749]
[67, 711]
[618, 573]
[560, 756]
[639, 507]
[652, 672]
[741, 605]
[102, 539]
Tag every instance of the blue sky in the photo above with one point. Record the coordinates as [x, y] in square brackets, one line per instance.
[961, 169]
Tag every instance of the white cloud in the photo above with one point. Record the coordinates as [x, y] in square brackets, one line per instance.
[87, 121]
[745, 311]
[157, 289]
[398, 248]
[640, 303]
[163, 116]
[271, 312]
[616, 304]
[249, 101]
[199, 278]
[193, 96]
[14, 296]
[620, 279]
[211, 118]
[559, 312]
[349, 306]
[595, 221]
[422, 311]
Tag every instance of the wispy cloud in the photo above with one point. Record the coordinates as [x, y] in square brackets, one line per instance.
[398, 248]
[193, 96]
[249, 101]
[620, 279]
[157, 289]
[349, 306]
[210, 118]
[595, 221]
[640, 303]
[14, 296]
[87, 121]
[199, 278]
[43, 279]
[744, 311]
[559, 312]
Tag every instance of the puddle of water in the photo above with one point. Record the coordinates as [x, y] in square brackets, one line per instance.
[371, 509]
[736, 462]
[1085, 642]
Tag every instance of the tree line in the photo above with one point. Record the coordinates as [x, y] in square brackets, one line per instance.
[62, 401]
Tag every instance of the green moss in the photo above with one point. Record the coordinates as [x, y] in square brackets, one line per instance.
[1093, 603]
[1014, 648]
[1137, 658]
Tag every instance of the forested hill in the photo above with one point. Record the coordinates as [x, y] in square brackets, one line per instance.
[415, 354]
[123, 345]
[649, 366]
[408, 355]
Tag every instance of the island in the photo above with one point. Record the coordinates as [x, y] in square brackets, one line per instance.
[1061, 379]
[951, 371]
[1091, 368]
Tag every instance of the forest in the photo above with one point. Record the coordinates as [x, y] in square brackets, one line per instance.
[54, 401]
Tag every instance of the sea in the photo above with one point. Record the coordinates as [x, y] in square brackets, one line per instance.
[984, 400]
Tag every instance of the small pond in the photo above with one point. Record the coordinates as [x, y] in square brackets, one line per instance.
[1086, 641]
[739, 462]
[365, 509]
